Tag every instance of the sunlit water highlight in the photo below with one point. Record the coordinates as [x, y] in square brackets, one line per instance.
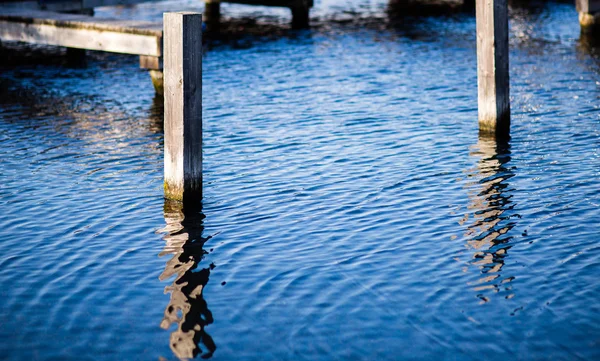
[351, 211]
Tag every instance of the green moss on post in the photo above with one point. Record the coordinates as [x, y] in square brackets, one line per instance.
[172, 192]
[157, 81]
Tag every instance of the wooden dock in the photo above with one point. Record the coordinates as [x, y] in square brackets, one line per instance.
[81, 32]
[70, 24]
[24, 21]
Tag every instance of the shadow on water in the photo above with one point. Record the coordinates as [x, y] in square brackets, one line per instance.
[491, 208]
[187, 308]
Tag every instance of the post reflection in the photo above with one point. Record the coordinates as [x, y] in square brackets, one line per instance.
[187, 308]
[491, 215]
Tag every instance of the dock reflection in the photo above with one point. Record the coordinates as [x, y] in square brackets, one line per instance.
[491, 213]
[187, 308]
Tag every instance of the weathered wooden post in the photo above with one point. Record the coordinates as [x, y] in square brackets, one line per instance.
[183, 105]
[589, 15]
[492, 67]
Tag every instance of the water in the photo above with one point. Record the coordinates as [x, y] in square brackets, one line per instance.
[351, 211]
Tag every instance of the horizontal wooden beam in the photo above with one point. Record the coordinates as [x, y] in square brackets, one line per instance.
[66, 5]
[82, 32]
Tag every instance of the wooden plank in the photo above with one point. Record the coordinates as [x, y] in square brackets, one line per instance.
[492, 66]
[66, 5]
[81, 22]
[82, 32]
[183, 106]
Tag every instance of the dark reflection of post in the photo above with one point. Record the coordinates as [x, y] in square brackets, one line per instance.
[491, 208]
[187, 307]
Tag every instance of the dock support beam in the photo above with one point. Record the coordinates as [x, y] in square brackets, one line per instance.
[300, 16]
[155, 66]
[469, 6]
[589, 15]
[492, 67]
[76, 58]
[212, 15]
[183, 106]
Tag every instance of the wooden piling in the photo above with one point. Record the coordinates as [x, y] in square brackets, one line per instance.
[589, 15]
[154, 65]
[183, 105]
[301, 16]
[76, 58]
[468, 6]
[492, 67]
[212, 15]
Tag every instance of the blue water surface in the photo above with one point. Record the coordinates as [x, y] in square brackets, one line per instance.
[351, 211]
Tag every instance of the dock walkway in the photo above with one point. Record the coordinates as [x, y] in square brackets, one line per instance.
[81, 32]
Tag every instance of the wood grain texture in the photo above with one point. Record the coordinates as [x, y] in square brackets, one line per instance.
[183, 105]
[492, 66]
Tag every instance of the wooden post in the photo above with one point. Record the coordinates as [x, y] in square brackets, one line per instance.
[155, 66]
[76, 58]
[183, 105]
[300, 17]
[492, 67]
[589, 13]
[469, 6]
[212, 15]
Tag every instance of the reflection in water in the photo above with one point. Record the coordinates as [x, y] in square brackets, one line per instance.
[589, 45]
[491, 208]
[187, 307]
[157, 114]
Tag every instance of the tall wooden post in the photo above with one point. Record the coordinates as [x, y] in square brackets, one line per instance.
[183, 105]
[492, 67]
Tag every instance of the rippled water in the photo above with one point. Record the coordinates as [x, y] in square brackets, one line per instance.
[350, 211]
